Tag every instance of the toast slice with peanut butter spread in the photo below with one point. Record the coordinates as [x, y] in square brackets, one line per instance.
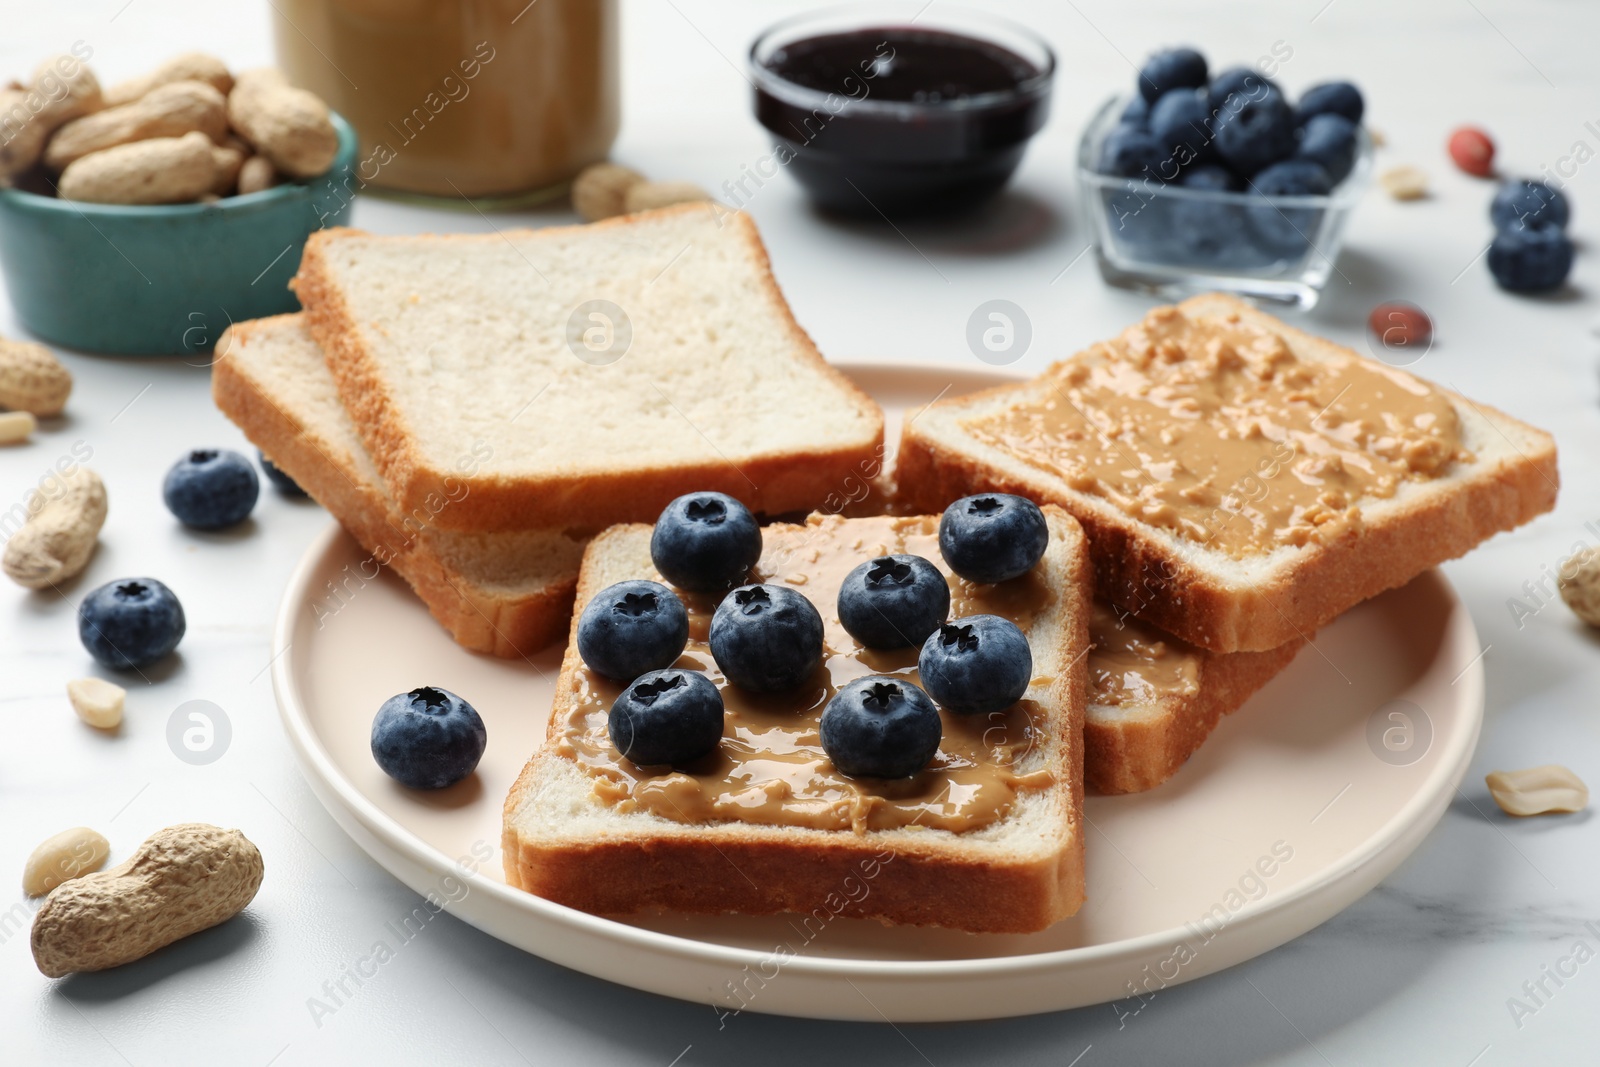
[1153, 699]
[989, 837]
[1241, 482]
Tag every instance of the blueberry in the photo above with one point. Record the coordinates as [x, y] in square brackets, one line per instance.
[1533, 259]
[1330, 98]
[1288, 231]
[1243, 82]
[880, 727]
[993, 537]
[286, 485]
[705, 542]
[1210, 231]
[976, 664]
[1175, 68]
[1181, 122]
[1211, 177]
[1137, 113]
[130, 623]
[1330, 142]
[1256, 134]
[893, 601]
[1130, 152]
[667, 717]
[1214, 233]
[1293, 177]
[631, 628]
[211, 488]
[1204, 232]
[766, 638]
[428, 738]
[1139, 219]
[1525, 202]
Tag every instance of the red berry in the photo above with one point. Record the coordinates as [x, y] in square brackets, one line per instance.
[1398, 325]
[1472, 150]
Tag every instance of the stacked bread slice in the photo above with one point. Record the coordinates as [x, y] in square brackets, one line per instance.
[432, 398]
[1140, 729]
[507, 593]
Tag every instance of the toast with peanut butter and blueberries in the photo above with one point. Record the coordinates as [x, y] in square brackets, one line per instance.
[1241, 482]
[770, 755]
[1152, 699]
[582, 375]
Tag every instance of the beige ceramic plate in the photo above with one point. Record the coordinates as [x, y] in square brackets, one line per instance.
[1300, 803]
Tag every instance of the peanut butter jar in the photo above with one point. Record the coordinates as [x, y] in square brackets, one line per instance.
[462, 98]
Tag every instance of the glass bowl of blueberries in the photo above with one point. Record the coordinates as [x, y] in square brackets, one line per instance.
[1199, 182]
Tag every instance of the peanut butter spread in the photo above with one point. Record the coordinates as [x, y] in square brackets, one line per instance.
[1214, 429]
[1131, 663]
[770, 767]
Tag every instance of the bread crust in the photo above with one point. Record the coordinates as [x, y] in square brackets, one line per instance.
[1144, 571]
[770, 484]
[763, 872]
[920, 876]
[508, 626]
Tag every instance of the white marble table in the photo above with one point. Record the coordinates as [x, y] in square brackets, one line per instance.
[1420, 971]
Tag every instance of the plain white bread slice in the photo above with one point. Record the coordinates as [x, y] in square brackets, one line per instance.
[1022, 872]
[1208, 597]
[508, 594]
[502, 362]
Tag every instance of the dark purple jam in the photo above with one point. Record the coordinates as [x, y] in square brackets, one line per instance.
[908, 65]
[900, 120]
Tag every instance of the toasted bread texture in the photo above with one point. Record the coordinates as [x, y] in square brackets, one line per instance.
[582, 375]
[508, 594]
[1262, 602]
[1021, 872]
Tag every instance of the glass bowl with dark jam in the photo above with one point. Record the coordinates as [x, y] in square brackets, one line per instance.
[896, 110]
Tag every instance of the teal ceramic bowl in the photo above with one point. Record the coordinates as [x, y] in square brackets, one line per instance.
[163, 280]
